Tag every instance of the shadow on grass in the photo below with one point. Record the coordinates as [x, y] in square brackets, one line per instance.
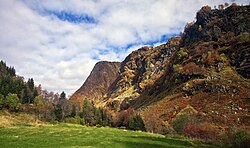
[159, 142]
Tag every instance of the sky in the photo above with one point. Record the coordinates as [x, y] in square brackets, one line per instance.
[57, 42]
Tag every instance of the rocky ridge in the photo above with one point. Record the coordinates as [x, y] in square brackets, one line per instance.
[100, 79]
[204, 75]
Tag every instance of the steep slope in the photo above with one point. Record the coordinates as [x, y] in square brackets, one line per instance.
[140, 70]
[207, 86]
[100, 79]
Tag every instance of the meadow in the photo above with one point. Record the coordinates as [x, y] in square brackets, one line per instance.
[71, 135]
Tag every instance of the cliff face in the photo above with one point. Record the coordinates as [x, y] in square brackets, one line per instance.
[204, 73]
[97, 84]
[219, 26]
[208, 78]
[140, 70]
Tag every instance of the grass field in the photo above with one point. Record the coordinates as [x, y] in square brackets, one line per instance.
[69, 135]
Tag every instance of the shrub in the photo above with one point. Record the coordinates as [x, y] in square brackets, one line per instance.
[74, 120]
[136, 123]
[238, 138]
[12, 102]
[203, 131]
[182, 54]
[2, 101]
[179, 123]
[223, 58]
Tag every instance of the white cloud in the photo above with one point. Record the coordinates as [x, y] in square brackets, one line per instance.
[60, 54]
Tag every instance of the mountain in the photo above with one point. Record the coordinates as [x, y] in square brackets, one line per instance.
[100, 79]
[140, 70]
[196, 83]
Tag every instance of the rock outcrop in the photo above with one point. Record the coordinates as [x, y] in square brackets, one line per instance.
[97, 84]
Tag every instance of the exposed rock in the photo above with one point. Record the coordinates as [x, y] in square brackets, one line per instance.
[100, 79]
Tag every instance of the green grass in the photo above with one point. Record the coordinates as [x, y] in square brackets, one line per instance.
[69, 135]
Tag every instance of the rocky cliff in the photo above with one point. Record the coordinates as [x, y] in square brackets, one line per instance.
[97, 84]
[140, 70]
[204, 75]
[208, 79]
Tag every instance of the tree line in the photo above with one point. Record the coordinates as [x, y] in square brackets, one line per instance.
[18, 95]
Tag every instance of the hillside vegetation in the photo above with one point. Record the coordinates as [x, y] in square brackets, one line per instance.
[18, 119]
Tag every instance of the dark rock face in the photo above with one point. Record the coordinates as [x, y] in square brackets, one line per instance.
[208, 77]
[211, 24]
[141, 69]
[100, 79]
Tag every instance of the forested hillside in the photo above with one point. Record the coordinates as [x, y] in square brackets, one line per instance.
[13, 89]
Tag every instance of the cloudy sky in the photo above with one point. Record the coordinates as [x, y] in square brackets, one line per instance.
[57, 42]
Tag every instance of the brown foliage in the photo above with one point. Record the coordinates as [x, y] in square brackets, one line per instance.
[124, 116]
[192, 68]
[203, 131]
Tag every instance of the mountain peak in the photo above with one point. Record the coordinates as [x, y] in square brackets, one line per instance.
[100, 79]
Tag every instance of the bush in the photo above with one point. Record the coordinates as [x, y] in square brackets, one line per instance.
[12, 102]
[2, 101]
[136, 123]
[203, 131]
[239, 138]
[181, 121]
[73, 120]
[182, 54]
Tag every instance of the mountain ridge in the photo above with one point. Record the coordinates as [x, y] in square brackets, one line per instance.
[203, 74]
[100, 79]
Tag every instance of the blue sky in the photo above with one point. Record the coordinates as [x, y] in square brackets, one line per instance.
[57, 42]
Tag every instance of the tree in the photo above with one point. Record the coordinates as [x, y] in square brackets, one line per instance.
[2, 101]
[39, 105]
[136, 123]
[62, 96]
[88, 112]
[30, 84]
[35, 93]
[58, 112]
[12, 102]
[44, 109]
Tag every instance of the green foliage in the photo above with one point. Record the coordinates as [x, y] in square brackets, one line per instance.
[176, 68]
[223, 58]
[136, 123]
[58, 112]
[237, 138]
[39, 105]
[179, 123]
[94, 116]
[244, 37]
[30, 84]
[182, 54]
[2, 101]
[44, 109]
[5, 70]
[241, 138]
[73, 120]
[12, 102]
[10, 83]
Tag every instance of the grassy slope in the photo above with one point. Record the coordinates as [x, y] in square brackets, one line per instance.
[18, 119]
[69, 135]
